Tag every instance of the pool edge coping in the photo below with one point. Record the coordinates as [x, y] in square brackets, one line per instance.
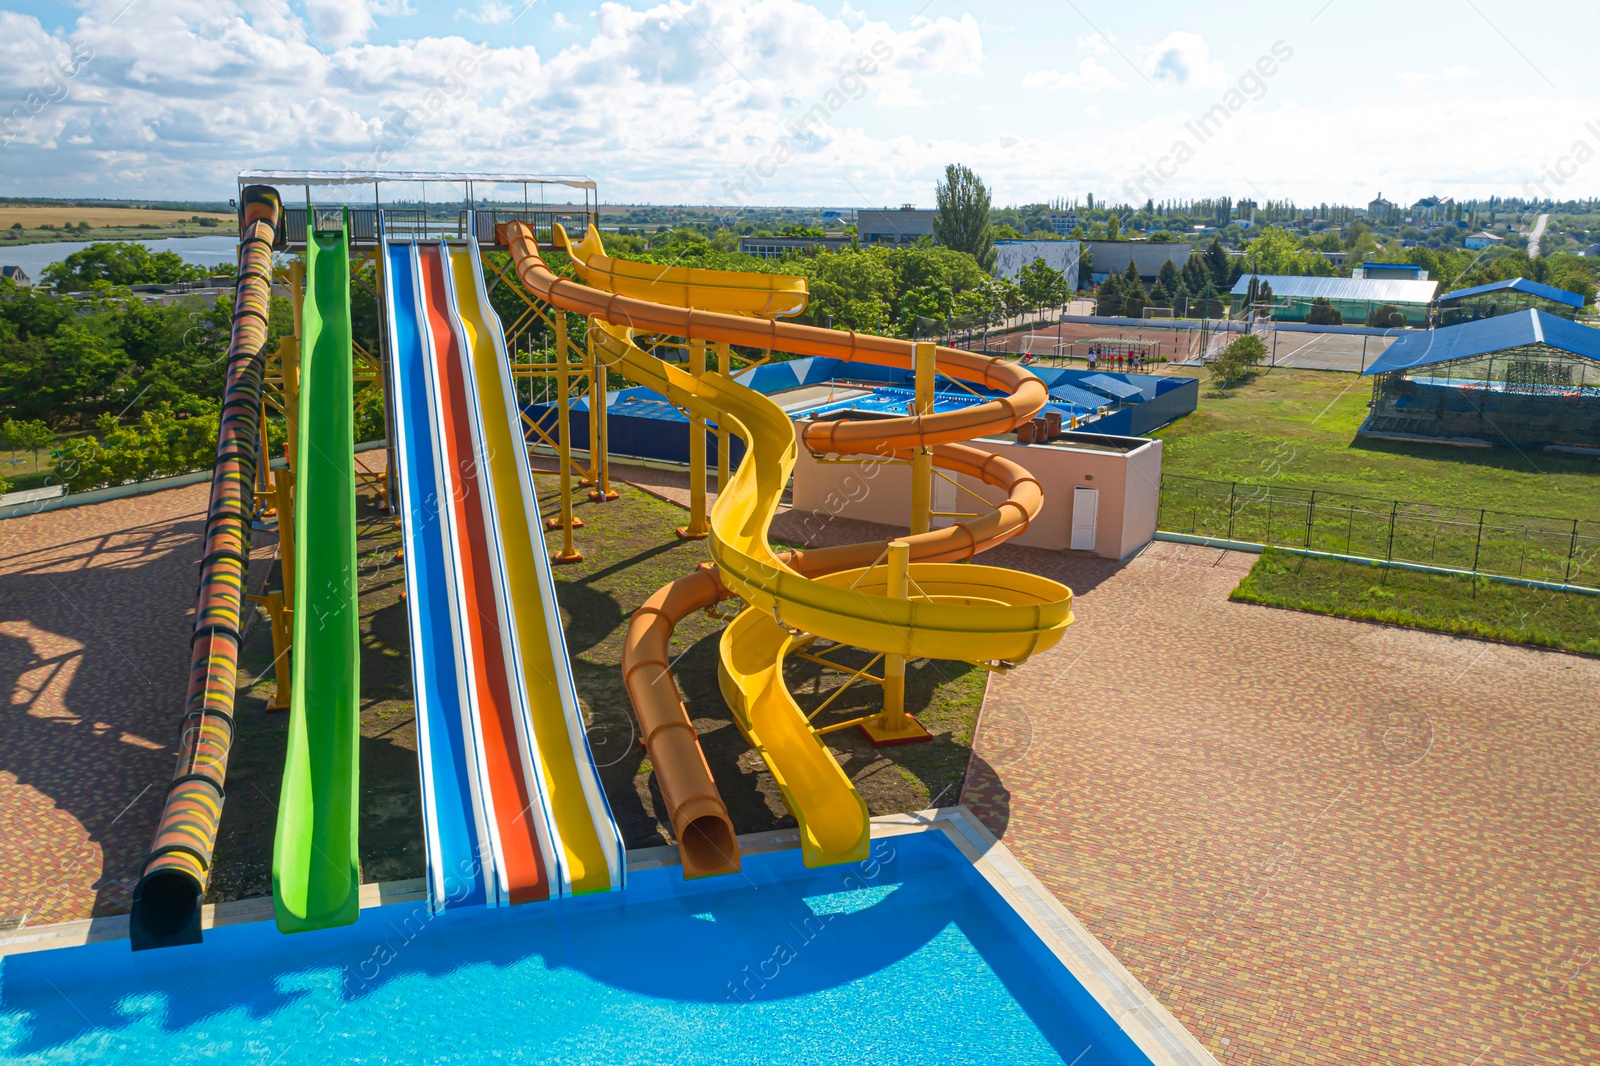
[1159, 1035]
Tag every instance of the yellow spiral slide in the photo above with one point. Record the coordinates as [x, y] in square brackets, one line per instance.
[955, 610]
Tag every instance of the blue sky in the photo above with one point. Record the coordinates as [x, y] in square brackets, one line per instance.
[783, 101]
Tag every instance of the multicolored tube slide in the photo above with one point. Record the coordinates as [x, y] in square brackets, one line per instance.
[503, 750]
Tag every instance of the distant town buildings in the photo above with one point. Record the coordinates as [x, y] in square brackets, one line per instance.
[15, 274]
[1064, 222]
[1378, 206]
[1434, 207]
[1481, 240]
[905, 226]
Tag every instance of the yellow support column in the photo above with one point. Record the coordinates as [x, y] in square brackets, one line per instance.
[599, 459]
[725, 368]
[696, 529]
[923, 357]
[893, 725]
[567, 520]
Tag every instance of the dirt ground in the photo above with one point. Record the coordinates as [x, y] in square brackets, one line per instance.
[629, 552]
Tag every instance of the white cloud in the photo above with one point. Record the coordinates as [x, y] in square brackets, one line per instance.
[561, 23]
[1090, 77]
[346, 22]
[488, 13]
[1097, 43]
[1184, 59]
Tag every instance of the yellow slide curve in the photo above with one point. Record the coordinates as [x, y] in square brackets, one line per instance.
[957, 610]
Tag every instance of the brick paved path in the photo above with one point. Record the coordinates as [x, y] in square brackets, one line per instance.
[96, 605]
[1314, 840]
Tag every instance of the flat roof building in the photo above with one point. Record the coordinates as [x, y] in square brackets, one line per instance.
[778, 247]
[1355, 298]
[904, 226]
[1012, 256]
[1107, 257]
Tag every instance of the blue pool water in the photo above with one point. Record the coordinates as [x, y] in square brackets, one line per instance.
[909, 957]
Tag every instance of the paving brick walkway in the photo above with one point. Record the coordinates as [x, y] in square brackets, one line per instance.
[96, 606]
[1315, 840]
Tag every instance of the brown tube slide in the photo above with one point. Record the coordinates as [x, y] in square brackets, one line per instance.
[699, 817]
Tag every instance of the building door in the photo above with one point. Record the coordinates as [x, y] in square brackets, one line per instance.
[1085, 509]
[943, 499]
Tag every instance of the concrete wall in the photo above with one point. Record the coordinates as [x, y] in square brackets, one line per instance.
[1129, 485]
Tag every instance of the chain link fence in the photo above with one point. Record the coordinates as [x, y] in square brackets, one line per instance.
[1561, 550]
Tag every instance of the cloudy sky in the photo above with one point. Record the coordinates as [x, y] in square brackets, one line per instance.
[785, 101]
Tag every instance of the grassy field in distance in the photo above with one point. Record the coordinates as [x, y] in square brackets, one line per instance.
[98, 217]
[1297, 428]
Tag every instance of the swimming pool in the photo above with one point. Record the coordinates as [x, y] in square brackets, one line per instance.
[910, 956]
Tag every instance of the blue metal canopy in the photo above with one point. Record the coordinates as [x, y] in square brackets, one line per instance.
[1431, 346]
[1532, 288]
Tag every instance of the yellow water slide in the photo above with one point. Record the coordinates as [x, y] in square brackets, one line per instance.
[954, 610]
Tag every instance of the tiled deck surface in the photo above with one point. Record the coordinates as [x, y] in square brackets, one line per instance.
[96, 608]
[1314, 840]
[96, 605]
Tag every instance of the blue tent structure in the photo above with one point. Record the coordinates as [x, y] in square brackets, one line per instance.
[1527, 379]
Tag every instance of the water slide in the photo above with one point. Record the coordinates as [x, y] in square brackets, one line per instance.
[958, 611]
[167, 899]
[455, 820]
[316, 874]
[505, 749]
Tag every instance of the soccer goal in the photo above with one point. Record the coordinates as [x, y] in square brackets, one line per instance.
[1044, 346]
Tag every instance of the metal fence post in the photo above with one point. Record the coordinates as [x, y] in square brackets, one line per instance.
[1393, 514]
[1311, 517]
[1233, 493]
[1572, 549]
[1479, 547]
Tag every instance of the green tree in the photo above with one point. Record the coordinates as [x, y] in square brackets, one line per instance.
[1220, 264]
[1323, 313]
[119, 263]
[27, 436]
[1238, 361]
[1113, 228]
[1042, 285]
[961, 221]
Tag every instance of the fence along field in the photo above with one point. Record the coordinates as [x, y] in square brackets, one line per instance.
[1560, 550]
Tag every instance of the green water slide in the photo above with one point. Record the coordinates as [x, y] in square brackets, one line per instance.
[316, 877]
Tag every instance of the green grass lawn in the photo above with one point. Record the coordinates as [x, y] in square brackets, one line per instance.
[1297, 428]
[1471, 607]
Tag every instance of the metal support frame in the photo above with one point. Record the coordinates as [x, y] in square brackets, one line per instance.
[697, 529]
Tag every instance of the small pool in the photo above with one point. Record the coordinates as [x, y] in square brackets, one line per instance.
[908, 957]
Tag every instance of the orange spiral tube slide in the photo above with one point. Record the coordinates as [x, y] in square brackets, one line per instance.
[698, 816]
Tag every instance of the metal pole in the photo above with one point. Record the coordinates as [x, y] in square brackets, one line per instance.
[569, 552]
[1233, 495]
[1311, 516]
[893, 725]
[696, 528]
[1394, 512]
[600, 459]
[923, 357]
[724, 438]
[1479, 547]
[1572, 549]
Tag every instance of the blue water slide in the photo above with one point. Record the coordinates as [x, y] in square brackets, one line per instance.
[453, 812]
